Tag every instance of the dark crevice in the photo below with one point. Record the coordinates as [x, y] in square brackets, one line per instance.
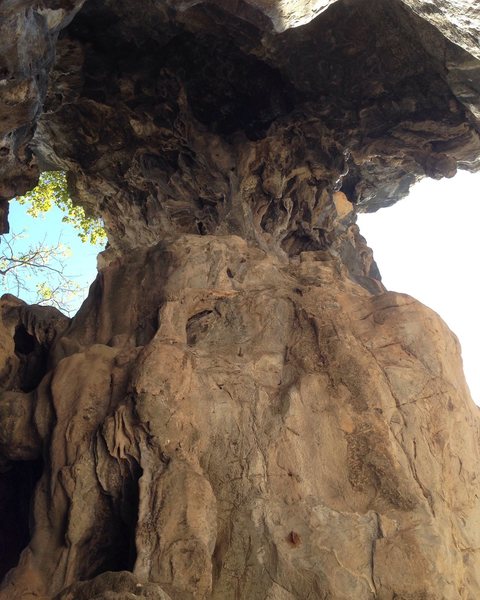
[146, 329]
[17, 486]
[33, 359]
[228, 89]
[202, 230]
[300, 241]
[24, 342]
[123, 549]
[112, 545]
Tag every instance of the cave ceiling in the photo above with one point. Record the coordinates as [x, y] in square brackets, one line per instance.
[220, 117]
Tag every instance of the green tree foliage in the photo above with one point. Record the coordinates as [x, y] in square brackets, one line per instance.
[39, 270]
[52, 190]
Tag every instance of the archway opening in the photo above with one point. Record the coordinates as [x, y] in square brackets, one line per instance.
[49, 257]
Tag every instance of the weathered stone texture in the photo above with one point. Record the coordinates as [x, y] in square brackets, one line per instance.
[240, 409]
[274, 430]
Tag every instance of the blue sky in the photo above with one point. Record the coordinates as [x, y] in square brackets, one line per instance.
[80, 261]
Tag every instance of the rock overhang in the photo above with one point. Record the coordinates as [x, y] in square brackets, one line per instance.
[210, 117]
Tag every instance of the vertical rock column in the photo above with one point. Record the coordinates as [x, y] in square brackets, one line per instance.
[270, 430]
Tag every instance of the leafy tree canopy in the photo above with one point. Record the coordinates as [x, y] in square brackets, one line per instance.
[52, 190]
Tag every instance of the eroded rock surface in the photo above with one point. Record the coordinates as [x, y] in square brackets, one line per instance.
[272, 419]
[240, 409]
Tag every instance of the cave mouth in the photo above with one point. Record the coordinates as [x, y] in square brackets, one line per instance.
[17, 486]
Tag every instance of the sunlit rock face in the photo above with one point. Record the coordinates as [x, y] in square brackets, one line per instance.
[239, 409]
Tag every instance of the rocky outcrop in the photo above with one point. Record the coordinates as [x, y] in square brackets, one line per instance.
[255, 429]
[240, 409]
[201, 118]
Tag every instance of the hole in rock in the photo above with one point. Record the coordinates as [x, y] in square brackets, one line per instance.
[202, 230]
[43, 258]
[426, 245]
[33, 359]
[301, 241]
[17, 486]
[24, 342]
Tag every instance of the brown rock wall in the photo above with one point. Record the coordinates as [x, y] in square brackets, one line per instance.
[281, 434]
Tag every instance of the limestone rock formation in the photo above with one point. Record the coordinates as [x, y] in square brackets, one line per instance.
[239, 409]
